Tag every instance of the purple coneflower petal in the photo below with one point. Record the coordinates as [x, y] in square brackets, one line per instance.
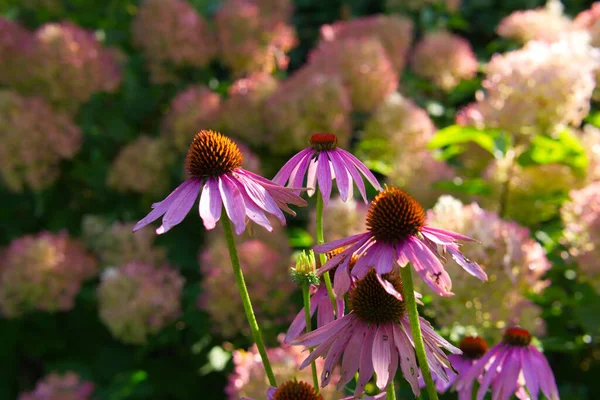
[545, 375]
[530, 373]
[343, 181]
[325, 310]
[334, 354]
[351, 359]
[491, 373]
[311, 176]
[271, 393]
[428, 267]
[210, 204]
[362, 168]
[324, 176]
[180, 207]
[355, 175]
[320, 351]
[506, 382]
[336, 244]
[471, 267]
[446, 235]
[437, 339]
[289, 167]
[388, 287]
[158, 209]
[297, 177]
[254, 212]
[408, 363]
[393, 365]
[366, 360]
[382, 356]
[233, 202]
[401, 258]
[342, 280]
[475, 371]
[260, 197]
[319, 335]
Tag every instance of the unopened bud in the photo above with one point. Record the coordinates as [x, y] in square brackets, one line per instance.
[304, 273]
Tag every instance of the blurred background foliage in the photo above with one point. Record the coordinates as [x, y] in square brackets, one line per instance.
[126, 156]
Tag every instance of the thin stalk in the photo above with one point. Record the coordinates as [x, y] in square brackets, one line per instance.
[241, 284]
[323, 257]
[313, 366]
[391, 391]
[415, 327]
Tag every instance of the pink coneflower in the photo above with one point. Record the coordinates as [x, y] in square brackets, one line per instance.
[298, 390]
[375, 337]
[473, 348]
[216, 161]
[511, 366]
[397, 233]
[322, 162]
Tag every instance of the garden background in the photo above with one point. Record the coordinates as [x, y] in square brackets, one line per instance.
[99, 100]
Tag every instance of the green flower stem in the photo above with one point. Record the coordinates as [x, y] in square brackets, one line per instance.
[241, 284]
[415, 327]
[323, 257]
[391, 391]
[313, 366]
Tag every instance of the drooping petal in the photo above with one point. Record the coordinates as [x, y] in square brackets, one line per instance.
[437, 339]
[341, 174]
[210, 204]
[506, 383]
[471, 267]
[388, 287]
[334, 354]
[491, 373]
[297, 176]
[362, 168]
[408, 362]
[355, 175]
[260, 197]
[428, 267]
[158, 209]
[341, 281]
[545, 375]
[321, 334]
[475, 371]
[366, 361]
[288, 168]
[271, 393]
[382, 356]
[393, 365]
[311, 177]
[233, 202]
[299, 323]
[325, 308]
[385, 260]
[351, 359]
[180, 207]
[336, 244]
[530, 374]
[324, 176]
[445, 235]
[320, 351]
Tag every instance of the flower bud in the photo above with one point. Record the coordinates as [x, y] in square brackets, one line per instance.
[305, 271]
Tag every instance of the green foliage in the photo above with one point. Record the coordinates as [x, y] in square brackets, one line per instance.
[492, 140]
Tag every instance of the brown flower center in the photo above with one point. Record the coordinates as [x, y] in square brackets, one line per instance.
[517, 337]
[323, 141]
[212, 154]
[372, 304]
[394, 215]
[292, 390]
[473, 346]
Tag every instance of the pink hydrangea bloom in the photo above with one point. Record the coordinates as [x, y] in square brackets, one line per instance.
[67, 386]
[541, 87]
[581, 218]
[544, 23]
[137, 300]
[444, 58]
[253, 37]
[515, 264]
[590, 21]
[527, 185]
[16, 47]
[69, 65]
[114, 245]
[142, 166]
[306, 103]
[194, 108]
[265, 259]
[363, 66]
[171, 34]
[590, 139]
[393, 31]
[42, 272]
[33, 140]
[248, 378]
[242, 113]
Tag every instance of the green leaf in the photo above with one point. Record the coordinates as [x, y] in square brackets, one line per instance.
[566, 149]
[300, 238]
[593, 119]
[476, 186]
[492, 140]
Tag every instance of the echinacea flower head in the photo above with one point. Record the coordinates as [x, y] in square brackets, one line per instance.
[473, 348]
[214, 164]
[397, 233]
[292, 390]
[375, 337]
[323, 162]
[511, 366]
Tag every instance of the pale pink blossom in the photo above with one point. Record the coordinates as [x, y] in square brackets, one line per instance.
[66, 386]
[590, 21]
